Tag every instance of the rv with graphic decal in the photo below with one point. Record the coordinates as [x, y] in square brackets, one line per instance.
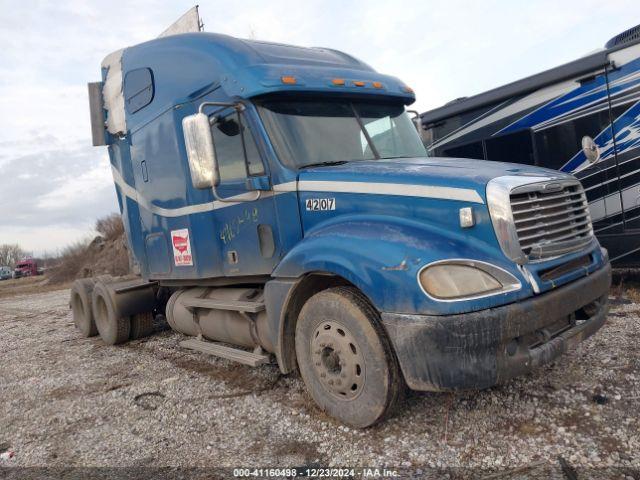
[581, 118]
[280, 207]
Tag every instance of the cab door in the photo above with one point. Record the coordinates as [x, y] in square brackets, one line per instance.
[245, 213]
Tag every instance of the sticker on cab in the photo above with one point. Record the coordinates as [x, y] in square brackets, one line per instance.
[181, 247]
[320, 204]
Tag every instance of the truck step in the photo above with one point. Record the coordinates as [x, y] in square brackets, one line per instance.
[236, 354]
[234, 305]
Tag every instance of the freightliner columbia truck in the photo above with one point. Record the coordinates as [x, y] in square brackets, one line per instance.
[281, 207]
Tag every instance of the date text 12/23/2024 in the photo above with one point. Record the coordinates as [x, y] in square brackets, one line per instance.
[309, 472]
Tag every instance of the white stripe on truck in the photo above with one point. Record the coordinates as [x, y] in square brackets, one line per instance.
[399, 189]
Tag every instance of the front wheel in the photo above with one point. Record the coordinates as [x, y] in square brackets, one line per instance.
[345, 358]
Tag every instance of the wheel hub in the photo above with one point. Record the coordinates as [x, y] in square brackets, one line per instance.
[337, 360]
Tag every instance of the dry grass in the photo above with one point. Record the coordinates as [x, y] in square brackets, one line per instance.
[28, 285]
[110, 227]
[626, 284]
[105, 254]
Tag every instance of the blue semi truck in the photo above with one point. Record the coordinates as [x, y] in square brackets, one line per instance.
[279, 204]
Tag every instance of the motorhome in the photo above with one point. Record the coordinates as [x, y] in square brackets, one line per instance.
[581, 118]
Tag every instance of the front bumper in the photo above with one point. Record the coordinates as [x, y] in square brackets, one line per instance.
[481, 349]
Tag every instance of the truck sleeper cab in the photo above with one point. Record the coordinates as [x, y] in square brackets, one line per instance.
[278, 200]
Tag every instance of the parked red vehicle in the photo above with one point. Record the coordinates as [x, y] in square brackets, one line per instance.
[26, 268]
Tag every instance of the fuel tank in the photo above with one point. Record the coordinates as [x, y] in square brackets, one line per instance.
[230, 315]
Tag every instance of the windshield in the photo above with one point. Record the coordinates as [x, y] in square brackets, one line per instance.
[306, 132]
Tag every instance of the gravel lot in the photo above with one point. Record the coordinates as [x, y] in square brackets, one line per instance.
[69, 401]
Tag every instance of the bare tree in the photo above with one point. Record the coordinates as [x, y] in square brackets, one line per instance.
[10, 255]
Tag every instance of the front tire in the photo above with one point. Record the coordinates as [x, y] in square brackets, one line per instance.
[345, 358]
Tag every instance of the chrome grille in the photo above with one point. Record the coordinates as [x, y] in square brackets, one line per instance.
[551, 219]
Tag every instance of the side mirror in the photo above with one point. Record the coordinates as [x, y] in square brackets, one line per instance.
[200, 152]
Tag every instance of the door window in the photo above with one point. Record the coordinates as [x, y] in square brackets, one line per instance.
[236, 150]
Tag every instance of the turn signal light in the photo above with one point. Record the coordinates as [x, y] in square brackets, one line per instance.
[358, 83]
[376, 85]
[338, 81]
[289, 80]
[408, 89]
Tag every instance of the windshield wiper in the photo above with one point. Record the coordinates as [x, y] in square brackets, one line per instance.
[324, 164]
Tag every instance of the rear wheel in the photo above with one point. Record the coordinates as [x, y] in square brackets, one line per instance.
[112, 327]
[345, 358]
[81, 308]
[141, 325]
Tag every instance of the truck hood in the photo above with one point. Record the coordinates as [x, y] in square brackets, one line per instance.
[452, 173]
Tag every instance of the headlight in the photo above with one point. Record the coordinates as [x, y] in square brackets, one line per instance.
[464, 279]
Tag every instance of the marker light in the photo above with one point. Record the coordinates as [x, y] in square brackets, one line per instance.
[377, 85]
[466, 217]
[358, 83]
[289, 80]
[338, 81]
[408, 89]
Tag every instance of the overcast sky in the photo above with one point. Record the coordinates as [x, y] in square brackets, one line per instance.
[54, 184]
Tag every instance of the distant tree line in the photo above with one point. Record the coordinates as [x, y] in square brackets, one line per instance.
[10, 255]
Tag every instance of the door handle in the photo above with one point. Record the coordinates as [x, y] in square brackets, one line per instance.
[145, 174]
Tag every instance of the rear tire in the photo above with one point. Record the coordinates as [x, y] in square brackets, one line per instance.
[81, 307]
[141, 325]
[113, 328]
[345, 358]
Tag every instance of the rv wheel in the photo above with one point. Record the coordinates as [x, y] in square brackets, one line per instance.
[345, 358]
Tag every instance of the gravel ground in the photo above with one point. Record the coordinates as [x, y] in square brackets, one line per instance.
[68, 401]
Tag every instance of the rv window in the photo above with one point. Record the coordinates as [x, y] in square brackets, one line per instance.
[557, 145]
[230, 153]
[514, 147]
[138, 89]
[470, 150]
